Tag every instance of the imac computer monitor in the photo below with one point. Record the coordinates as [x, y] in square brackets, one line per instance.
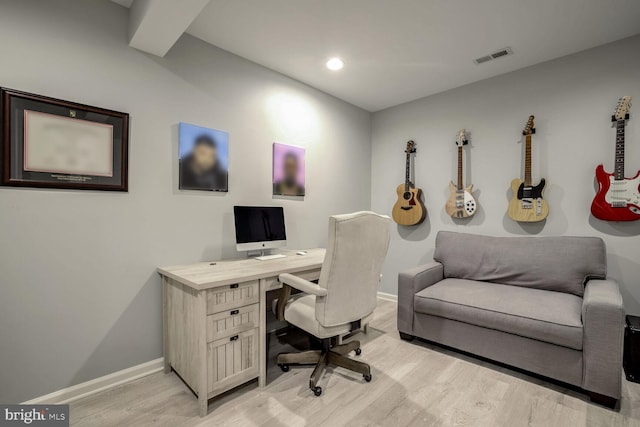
[259, 228]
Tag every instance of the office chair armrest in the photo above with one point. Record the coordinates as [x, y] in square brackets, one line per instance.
[302, 285]
[283, 298]
[290, 281]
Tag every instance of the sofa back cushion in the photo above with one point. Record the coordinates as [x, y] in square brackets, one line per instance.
[562, 264]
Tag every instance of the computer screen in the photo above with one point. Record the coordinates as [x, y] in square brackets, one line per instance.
[259, 227]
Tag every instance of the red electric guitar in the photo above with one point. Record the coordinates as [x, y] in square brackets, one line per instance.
[618, 198]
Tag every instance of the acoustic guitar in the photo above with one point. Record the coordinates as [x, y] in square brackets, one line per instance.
[461, 203]
[409, 209]
[618, 198]
[527, 203]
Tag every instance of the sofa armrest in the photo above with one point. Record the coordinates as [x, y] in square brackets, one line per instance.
[603, 322]
[411, 282]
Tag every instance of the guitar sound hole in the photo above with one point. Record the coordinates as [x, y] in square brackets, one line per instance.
[406, 195]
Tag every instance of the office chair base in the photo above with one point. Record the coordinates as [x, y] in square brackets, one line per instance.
[335, 356]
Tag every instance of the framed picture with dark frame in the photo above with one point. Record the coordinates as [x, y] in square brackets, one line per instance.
[50, 143]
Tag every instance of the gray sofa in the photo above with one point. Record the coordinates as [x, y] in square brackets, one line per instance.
[542, 304]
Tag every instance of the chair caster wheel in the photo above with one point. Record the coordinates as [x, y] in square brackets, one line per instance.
[284, 367]
[367, 377]
[358, 351]
[317, 391]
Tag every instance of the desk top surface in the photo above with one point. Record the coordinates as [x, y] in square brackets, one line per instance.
[206, 275]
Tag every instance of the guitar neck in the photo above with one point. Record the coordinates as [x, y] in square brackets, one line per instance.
[460, 183]
[407, 180]
[527, 162]
[619, 161]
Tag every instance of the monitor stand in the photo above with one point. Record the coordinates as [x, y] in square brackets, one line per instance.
[264, 257]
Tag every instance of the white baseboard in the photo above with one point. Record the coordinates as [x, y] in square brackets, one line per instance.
[78, 391]
[387, 297]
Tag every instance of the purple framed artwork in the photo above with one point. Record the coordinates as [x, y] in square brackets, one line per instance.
[288, 170]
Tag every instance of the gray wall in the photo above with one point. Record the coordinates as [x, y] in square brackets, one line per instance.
[79, 294]
[572, 99]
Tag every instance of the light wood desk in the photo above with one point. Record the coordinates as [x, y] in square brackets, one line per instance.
[214, 319]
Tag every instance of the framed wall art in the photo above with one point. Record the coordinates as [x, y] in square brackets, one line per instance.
[204, 158]
[51, 143]
[288, 170]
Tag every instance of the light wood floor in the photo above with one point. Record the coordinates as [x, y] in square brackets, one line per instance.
[414, 384]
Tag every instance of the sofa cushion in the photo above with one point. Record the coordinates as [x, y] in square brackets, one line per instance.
[553, 317]
[562, 264]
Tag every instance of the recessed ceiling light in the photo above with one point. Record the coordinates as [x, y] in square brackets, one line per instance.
[335, 64]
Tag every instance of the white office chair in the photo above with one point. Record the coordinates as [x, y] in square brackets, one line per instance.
[344, 298]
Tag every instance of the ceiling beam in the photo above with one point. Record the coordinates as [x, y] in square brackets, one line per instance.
[155, 25]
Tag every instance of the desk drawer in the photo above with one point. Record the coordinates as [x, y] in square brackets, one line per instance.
[232, 361]
[232, 296]
[232, 322]
[310, 275]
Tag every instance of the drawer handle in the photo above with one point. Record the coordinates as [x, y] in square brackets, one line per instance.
[234, 312]
[233, 338]
[234, 286]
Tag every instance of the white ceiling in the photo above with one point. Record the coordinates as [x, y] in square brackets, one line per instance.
[400, 50]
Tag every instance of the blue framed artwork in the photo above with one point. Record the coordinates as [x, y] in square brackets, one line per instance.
[204, 158]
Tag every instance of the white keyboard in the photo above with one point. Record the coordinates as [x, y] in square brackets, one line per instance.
[269, 257]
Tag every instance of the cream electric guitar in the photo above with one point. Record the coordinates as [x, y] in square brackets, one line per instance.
[527, 204]
[461, 203]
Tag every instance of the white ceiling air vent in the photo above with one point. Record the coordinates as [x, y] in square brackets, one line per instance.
[495, 55]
